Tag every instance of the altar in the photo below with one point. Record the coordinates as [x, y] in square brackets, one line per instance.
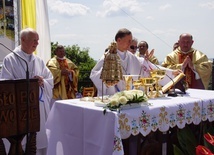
[80, 128]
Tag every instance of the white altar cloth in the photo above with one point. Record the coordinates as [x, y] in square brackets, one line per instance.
[76, 127]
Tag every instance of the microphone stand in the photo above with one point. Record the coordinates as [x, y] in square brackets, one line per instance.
[28, 88]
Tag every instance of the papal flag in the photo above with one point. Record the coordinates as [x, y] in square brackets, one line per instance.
[34, 14]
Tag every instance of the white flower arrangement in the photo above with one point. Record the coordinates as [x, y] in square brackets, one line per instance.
[125, 97]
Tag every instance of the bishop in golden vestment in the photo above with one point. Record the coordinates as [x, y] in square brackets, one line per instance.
[195, 64]
[65, 74]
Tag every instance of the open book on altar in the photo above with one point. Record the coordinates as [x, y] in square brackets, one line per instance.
[174, 82]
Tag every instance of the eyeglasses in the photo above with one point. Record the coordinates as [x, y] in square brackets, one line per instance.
[133, 47]
[141, 46]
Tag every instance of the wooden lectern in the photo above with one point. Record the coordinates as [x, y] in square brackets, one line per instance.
[19, 116]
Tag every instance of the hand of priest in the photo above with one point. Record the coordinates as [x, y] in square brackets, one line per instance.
[148, 54]
[40, 80]
[176, 72]
[190, 64]
[185, 63]
[65, 72]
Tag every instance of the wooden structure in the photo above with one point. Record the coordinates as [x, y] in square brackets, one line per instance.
[19, 115]
[88, 91]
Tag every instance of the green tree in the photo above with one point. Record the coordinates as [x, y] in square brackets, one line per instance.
[82, 59]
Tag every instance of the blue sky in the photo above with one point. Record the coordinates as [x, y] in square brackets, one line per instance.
[93, 23]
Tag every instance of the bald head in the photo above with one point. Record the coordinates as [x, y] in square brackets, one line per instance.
[185, 42]
[186, 35]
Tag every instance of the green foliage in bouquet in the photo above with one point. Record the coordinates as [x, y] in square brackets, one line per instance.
[125, 98]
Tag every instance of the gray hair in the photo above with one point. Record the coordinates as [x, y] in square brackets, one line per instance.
[134, 39]
[26, 31]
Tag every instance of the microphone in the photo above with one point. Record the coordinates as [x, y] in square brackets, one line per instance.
[28, 86]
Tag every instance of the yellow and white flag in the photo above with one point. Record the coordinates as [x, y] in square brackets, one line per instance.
[34, 14]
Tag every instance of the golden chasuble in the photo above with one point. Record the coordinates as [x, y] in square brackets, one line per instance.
[64, 65]
[202, 66]
[64, 88]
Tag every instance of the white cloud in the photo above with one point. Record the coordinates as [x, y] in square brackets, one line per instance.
[164, 7]
[67, 8]
[136, 31]
[172, 31]
[209, 5]
[160, 34]
[150, 18]
[119, 8]
[53, 22]
[66, 36]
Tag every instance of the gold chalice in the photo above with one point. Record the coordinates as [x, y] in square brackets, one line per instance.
[137, 84]
[148, 83]
[157, 75]
[128, 80]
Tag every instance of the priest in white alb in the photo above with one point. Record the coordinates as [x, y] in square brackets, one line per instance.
[15, 68]
[129, 62]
